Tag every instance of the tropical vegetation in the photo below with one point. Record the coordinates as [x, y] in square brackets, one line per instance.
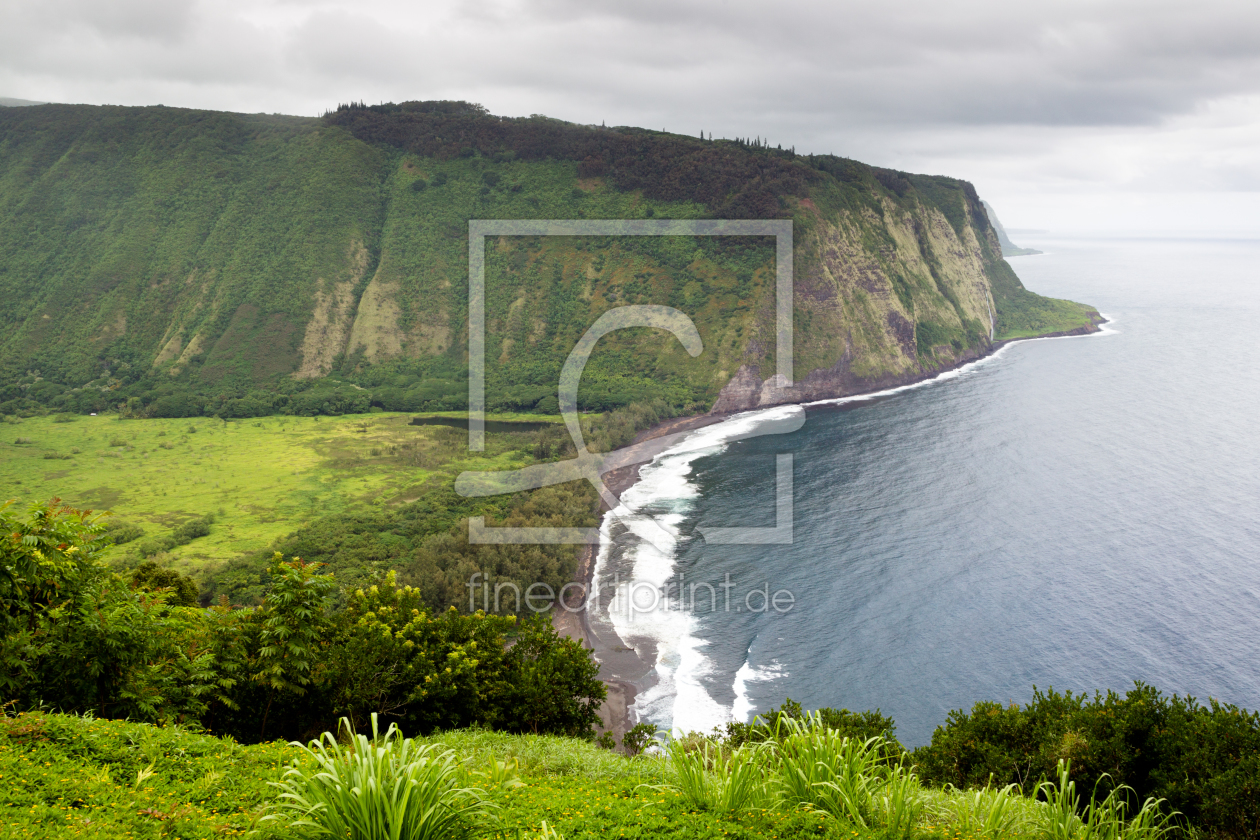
[82, 638]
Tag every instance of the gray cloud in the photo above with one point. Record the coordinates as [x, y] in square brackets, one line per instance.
[1061, 96]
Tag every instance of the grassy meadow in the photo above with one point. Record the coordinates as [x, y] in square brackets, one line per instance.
[260, 478]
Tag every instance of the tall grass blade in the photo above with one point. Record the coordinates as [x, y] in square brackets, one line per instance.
[822, 770]
[899, 802]
[1102, 819]
[989, 813]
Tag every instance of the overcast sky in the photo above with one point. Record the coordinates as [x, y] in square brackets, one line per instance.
[1066, 115]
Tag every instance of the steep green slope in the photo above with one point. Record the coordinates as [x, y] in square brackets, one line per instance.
[171, 262]
[142, 237]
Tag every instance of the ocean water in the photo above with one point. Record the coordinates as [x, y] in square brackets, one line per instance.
[1072, 513]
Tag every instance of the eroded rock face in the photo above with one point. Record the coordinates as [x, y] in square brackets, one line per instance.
[747, 391]
[871, 291]
[741, 393]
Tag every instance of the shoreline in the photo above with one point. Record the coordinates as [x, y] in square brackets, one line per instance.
[625, 671]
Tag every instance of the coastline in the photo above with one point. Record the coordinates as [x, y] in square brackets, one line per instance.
[623, 669]
[626, 671]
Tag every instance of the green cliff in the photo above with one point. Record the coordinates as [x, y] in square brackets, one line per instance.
[175, 262]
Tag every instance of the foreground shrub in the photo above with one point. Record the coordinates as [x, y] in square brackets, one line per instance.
[389, 655]
[1203, 761]
[76, 636]
[386, 787]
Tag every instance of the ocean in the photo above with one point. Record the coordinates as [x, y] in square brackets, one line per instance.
[1076, 513]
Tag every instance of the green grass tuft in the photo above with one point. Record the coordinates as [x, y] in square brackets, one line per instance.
[383, 787]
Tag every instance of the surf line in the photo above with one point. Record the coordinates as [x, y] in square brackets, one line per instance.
[664, 493]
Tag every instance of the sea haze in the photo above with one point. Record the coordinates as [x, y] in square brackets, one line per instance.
[1072, 513]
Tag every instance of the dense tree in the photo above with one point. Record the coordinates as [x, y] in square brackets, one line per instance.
[152, 577]
[734, 180]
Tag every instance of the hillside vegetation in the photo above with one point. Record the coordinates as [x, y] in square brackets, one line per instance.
[176, 263]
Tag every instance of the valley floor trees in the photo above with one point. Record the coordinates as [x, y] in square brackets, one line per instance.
[78, 638]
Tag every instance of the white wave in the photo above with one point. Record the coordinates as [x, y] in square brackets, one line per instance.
[963, 370]
[743, 708]
[651, 511]
[1107, 328]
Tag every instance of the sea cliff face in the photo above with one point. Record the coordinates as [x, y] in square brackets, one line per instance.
[865, 305]
[188, 262]
[891, 295]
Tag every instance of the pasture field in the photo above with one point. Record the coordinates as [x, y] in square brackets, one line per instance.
[260, 478]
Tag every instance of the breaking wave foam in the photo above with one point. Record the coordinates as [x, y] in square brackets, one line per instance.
[644, 528]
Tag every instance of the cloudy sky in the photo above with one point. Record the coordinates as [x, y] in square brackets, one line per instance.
[1098, 114]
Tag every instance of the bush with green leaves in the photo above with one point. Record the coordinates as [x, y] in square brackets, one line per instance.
[78, 637]
[390, 656]
[637, 738]
[293, 629]
[552, 683]
[182, 535]
[151, 577]
[445, 670]
[121, 533]
[1202, 760]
